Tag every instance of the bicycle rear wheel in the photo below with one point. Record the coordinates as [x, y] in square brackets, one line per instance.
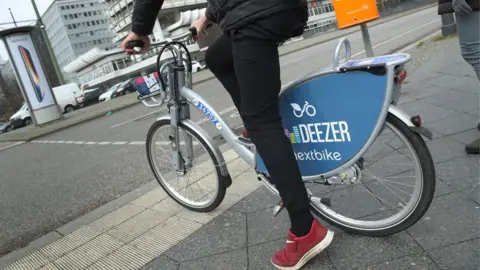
[199, 187]
[380, 205]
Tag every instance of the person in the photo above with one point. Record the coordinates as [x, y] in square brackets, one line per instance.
[245, 59]
[467, 18]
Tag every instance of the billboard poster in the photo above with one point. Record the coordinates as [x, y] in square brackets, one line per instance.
[30, 71]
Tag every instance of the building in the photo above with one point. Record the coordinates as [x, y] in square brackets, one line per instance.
[74, 27]
[98, 67]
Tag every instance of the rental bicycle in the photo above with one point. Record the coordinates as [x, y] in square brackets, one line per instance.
[364, 162]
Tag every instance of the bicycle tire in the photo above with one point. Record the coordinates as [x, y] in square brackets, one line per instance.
[221, 184]
[427, 193]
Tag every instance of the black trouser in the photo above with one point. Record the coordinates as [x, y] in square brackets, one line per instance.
[246, 62]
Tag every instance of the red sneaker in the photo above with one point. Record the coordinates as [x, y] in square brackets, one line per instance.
[299, 250]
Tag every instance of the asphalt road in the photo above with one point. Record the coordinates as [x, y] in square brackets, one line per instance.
[45, 185]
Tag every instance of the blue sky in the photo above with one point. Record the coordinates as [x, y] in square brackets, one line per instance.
[22, 10]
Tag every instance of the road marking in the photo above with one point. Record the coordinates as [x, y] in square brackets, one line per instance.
[137, 118]
[119, 143]
[393, 38]
[104, 143]
[137, 143]
[12, 145]
[292, 61]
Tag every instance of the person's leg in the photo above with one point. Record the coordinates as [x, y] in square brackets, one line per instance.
[256, 63]
[469, 38]
[219, 60]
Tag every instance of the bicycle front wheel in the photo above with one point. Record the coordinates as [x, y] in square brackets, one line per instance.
[198, 186]
[393, 190]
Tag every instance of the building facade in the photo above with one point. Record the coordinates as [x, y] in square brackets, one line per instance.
[175, 17]
[76, 26]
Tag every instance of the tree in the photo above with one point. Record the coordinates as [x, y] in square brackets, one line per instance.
[11, 98]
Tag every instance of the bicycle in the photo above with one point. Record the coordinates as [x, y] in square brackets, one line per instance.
[330, 134]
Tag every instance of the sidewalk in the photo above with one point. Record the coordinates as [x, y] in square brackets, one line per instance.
[153, 232]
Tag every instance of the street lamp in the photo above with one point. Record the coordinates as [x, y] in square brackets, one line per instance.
[48, 44]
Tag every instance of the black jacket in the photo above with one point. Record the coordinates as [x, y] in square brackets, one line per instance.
[227, 14]
[445, 6]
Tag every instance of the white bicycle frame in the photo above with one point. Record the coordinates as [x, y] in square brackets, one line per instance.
[182, 95]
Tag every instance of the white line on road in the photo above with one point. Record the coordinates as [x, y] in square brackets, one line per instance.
[399, 36]
[292, 61]
[12, 145]
[119, 143]
[137, 118]
[137, 143]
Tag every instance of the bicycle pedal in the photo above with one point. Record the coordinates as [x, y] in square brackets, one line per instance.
[278, 208]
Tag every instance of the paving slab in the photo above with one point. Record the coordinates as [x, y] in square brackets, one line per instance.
[451, 219]
[464, 255]
[224, 233]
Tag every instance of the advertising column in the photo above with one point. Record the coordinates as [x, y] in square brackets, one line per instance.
[31, 76]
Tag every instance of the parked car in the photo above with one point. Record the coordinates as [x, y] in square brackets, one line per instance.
[69, 97]
[91, 96]
[126, 87]
[5, 127]
[196, 66]
[22, 114]
[111, 93]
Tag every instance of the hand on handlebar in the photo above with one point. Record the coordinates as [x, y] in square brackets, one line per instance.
[200, 25]
[134, 44]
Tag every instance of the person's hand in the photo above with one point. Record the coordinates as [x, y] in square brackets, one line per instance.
[133, 37]
[200, 25]
[461, 7]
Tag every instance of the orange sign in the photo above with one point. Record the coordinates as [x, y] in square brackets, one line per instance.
[354, 12]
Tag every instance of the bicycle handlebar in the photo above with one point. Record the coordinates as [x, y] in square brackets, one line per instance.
[137, 45]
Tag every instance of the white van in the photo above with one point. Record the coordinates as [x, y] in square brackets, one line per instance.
[69, 97]
[23, 114]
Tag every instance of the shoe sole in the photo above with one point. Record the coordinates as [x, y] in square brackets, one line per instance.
[311, 253]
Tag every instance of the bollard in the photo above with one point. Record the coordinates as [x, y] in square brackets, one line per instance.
[449, 26]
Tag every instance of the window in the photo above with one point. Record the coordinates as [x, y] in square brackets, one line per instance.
[94, 42]
[77, 35]
[84, 24]
[91, 4]
[65, 17]
[88, 23]
[98, 22]
[85, 14]
[72, 6]
[93, 23]
[74, 26]
[94, 13]
[67, 7]
[69, 27]
[91, 33]
[62, 8]
[70, 16]
[82, 5]
[77, 5]
[75, 15]
[99, 41]
[89, 13]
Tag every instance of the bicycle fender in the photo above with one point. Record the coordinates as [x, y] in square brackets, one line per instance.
[209, 141]
[405, 118]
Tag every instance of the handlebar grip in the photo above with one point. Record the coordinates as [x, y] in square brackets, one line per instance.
[193, 31]
[135, 44]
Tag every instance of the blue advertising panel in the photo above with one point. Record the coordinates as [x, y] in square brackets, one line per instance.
[330, 118]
